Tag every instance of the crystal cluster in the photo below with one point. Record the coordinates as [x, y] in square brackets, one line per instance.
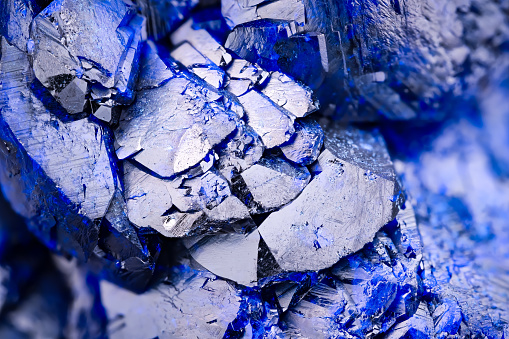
[231, 161]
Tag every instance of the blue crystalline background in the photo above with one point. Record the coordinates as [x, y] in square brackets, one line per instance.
[455, 173]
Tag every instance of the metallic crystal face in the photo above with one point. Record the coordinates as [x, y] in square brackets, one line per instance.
[241, 214]
[273, 182]
[203, 42]
[272, 123]
[239, 152]
[305, 145]
[147, 197]
[231, 256]
[172, 128]
[77, 24]
[340, 210]
[290, 95]
[193, 303]
[73, 154]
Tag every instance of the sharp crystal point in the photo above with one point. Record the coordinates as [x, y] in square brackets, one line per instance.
[203, 42]
[117, 217]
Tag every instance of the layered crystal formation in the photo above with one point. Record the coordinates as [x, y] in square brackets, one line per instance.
[234, 162]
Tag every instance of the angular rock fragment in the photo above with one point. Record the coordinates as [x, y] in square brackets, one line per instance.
[147, 197]
[16, 19]
[231, 256]
[366, 293]
[353, 195]
[272, 123]
[73, 154]
[305, 145]
[230, 216]
[239, 152]
[191, 304]
[172, 128]
[203, 192]
[284, 293]
[291, 10]
[199, 65]
[104, 113]
[63, 33]
[274, 182]
[78, 23]
[203, 42]
[72, 97]
[153, 71]
[238, 12]
[239, 87]
[290, 95]
[117, 218]
[244, 70]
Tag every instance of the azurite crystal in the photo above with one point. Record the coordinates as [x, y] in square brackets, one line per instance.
[204, 160]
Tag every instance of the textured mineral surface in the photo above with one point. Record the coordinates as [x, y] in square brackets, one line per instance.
[254, 169]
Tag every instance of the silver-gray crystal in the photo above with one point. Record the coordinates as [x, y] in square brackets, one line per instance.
[153, 71]
[147, 197]
[73, 154]
[350, 198]
[240, 151]
[203, 42]
[194, 304]
[231, 256]
[170, 129]
[244, 70]
[305, 145]
[75, 26]
[274, 182]
[272, 123]
[289, 94]
[205, 191]
[230, 216]
[199, 65]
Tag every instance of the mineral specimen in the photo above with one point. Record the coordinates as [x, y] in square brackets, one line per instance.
[230, 161]
[353, 194]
